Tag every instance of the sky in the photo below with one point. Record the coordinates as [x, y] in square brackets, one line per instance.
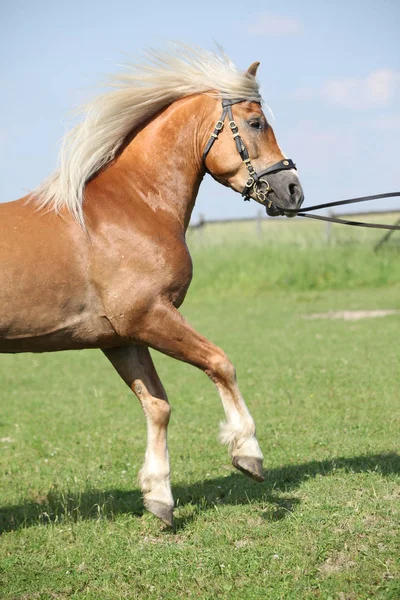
[330, 71]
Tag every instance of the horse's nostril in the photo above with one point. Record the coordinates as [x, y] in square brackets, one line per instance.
[294, 193]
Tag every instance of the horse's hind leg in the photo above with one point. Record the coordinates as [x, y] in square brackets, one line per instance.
[135, 366]
[167, 331]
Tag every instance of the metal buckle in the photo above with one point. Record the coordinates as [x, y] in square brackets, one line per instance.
[219, 125]
[232, 125]
[249, 166]
[262, 195]
[266, 183]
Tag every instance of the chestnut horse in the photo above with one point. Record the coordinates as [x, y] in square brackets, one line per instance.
[96, 256]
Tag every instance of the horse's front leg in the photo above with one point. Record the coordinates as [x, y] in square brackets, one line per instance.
[135, 366]
[165, 330]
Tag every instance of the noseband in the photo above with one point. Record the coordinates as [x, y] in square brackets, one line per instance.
[256, 182]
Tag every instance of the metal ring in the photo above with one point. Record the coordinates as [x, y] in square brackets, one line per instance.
[266, 183]
[261, 197]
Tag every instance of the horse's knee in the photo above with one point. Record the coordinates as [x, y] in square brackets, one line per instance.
[158, 410]
[161, 411]
[221, 370]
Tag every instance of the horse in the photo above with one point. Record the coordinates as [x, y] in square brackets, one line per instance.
[96, 256]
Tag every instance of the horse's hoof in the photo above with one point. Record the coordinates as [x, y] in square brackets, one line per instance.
[252, 467]
[161, 510]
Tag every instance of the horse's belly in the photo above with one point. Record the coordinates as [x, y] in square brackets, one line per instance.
[52, 312]
[79, 332]
[47, 300]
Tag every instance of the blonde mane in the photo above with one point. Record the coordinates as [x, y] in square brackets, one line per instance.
[136, 94]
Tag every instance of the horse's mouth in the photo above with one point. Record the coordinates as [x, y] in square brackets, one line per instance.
[274, 211]
[277, 211]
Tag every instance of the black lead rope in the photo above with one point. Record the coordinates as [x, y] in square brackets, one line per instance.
[354, 223]
[304, 211]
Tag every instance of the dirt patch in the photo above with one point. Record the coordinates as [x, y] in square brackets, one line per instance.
[338, 562]
[352, 315]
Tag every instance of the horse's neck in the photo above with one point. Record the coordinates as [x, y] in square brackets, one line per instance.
[162, 165]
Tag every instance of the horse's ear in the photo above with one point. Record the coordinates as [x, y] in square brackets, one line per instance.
[252, 70]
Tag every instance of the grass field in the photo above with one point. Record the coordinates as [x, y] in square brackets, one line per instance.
[325, 397]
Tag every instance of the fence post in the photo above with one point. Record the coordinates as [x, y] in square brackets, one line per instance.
[201, 225]
[259, 225]
[328, 228]
[385, 237]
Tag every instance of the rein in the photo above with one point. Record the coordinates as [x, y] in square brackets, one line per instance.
[345, 221]
[260, 186]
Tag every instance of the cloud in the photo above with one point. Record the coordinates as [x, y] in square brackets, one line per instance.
[269, 24]
[378, 89]
[386, 123]
[320, 147]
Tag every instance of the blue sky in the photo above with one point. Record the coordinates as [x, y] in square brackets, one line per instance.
[329, 71]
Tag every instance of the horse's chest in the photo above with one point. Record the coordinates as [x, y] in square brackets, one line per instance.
[139, 280]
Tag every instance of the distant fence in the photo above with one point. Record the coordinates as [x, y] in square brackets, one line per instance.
[205, 231]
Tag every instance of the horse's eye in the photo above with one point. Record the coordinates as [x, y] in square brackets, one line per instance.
[255, 123]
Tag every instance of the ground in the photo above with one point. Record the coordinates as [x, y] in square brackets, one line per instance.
[324, 395]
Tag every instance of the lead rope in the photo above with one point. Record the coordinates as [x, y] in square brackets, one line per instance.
[342, 203]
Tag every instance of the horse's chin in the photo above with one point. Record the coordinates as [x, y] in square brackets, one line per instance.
[273, 211]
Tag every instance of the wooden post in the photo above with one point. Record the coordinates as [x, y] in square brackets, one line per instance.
[385, 237]
[259, 225]
[201, 226]
[328, 229]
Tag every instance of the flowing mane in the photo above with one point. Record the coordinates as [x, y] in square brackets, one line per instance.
[136, 94]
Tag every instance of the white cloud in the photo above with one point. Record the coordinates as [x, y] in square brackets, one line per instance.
[269, 24]
[386, 123]
[378, 89]
[319, 146]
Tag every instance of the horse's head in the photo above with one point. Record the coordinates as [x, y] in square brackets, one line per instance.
[247, 157]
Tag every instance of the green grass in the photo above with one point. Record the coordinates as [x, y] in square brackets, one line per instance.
[291, 255]
[324, 394]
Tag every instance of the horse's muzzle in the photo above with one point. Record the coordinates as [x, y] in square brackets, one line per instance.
[286, 196]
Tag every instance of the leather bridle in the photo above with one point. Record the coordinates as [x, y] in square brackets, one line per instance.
[256, 182]
[260, 186]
